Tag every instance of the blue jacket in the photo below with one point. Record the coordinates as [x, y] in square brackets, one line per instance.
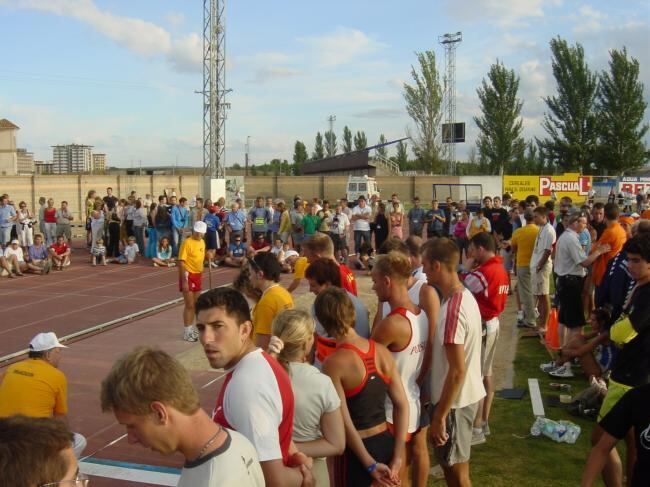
[180, 217]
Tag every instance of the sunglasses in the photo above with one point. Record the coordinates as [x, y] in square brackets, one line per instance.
[81, 480]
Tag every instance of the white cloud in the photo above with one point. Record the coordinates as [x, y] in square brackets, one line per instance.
[503, 12]
[265, 75]
[175, 19]
[140, 36]
[588, 19]
[342, 46]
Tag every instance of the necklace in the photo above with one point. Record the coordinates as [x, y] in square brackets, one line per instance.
[206, 446]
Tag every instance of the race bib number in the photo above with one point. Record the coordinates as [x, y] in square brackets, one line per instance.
[260, 220]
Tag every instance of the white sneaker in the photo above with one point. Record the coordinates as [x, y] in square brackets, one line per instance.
[520, 316]
[548, 367]
[171, 264]
[214, 265]
[562, 371]
[189, 334]
[486, 429]
[478, 437]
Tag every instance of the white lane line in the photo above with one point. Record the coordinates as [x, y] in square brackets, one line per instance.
[117, 472]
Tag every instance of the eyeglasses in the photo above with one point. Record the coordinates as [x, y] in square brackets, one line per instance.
[81, 481]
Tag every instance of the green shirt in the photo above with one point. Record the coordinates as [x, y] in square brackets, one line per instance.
[310, 223]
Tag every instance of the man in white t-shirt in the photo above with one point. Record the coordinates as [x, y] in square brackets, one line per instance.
[339, 224]
[541, 265]
[361, 223]
[152, 395]
[456, 385]
[256, 398]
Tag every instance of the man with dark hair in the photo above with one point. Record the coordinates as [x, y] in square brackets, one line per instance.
[597, 222]
[36, 452]
[631, 367]
[180, 217]
[435, 219]
[109, 201]
[523, 243]
[321, 274]
[151, 394]
[36, 388]
[456, 383]
[416, 217]
[541, 265]
[260, 218]
[614, 236]
[256, 398]
[275, 299]
[489, 282]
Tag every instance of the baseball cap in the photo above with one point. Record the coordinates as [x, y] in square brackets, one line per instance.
[200, 227]
[212, 209]
[15, 241]
[45, 341]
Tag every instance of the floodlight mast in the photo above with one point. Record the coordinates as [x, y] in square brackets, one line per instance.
[214, 88]
[450, 43]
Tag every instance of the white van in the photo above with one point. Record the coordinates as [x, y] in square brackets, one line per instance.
[361, 186]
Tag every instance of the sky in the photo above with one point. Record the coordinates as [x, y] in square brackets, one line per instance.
[121, 75]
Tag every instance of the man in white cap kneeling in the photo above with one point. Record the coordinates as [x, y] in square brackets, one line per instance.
[191, 257]
[36, 388]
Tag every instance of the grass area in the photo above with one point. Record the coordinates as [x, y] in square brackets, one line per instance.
[509, 459]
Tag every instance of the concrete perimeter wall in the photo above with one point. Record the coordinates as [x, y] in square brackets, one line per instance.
[334, 187]
[74, 188]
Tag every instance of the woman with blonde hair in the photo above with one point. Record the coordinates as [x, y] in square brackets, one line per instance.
[318, 430]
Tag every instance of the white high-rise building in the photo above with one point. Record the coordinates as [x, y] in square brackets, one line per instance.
[99, 163]
[71, 158]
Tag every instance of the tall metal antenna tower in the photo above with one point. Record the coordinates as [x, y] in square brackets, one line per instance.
[214, 88]
[331, 119]
[450, 43]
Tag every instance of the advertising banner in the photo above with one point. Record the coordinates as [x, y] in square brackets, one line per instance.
[571, 184]
[632, 184]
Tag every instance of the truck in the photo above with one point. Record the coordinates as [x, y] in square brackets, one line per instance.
[361, 186]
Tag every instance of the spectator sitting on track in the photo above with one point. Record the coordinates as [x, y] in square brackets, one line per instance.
[164, 256]
[278, 251]
[37, 452]
[60, 253]
[35, 387]
[236, 252]
[38, 255]
[130, 253]
[318, 423]
[254, 379]
[260, 244]
[365, 259]
[98, 251]
[152, 395]
[15, 258]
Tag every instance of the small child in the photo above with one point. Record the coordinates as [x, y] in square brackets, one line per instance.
[278, 251]
[130, 253]
[98, 251]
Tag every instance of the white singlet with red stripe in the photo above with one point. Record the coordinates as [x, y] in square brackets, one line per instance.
[414, 296]
[409, 362]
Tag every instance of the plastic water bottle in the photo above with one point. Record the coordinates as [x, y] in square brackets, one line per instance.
[560, 432]
[572, 432]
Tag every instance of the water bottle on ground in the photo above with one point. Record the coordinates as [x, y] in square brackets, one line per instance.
[558, 431]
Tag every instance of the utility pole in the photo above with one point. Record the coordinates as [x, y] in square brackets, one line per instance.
[331, 119]
[450, 43]
[214, 88]
[248, 148]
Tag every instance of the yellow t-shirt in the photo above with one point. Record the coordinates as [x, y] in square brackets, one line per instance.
[274, 300]
[300, 267]
[192, 253]
[524, 239]
[33, 388]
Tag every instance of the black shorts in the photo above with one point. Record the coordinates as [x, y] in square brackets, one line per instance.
[353, 472]
[211, 240]
[569, 297]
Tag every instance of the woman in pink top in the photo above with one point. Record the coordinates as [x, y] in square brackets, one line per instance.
[460, 230]
[396, 218]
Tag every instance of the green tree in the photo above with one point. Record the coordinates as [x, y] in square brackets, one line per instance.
[423, 104]
[402, 158]
[330, 143]
[347, 140]
[299, 157]
[382, 151]
[285, 168]
[319, 149]
[621, 110]
[360, 140]
[253, 170]
[572, 121]
[500, 124]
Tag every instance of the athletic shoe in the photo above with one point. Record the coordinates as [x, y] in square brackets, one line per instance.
[214, 265]
[523, 324]
[171, 264]
[189, 335]
[548, 367]
[486, 429]
[536, 313]
[520, 316]
[562, 371]
[478, 437]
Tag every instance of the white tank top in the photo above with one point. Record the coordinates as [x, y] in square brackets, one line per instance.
[409, 362]
[414, 296]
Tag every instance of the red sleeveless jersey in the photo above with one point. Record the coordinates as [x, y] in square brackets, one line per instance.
[348, 281]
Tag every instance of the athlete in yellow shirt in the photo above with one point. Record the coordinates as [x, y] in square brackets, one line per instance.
[275, 299]
[190, 272]
[36, 387]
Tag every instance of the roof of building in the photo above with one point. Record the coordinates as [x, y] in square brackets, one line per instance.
[6, 124]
